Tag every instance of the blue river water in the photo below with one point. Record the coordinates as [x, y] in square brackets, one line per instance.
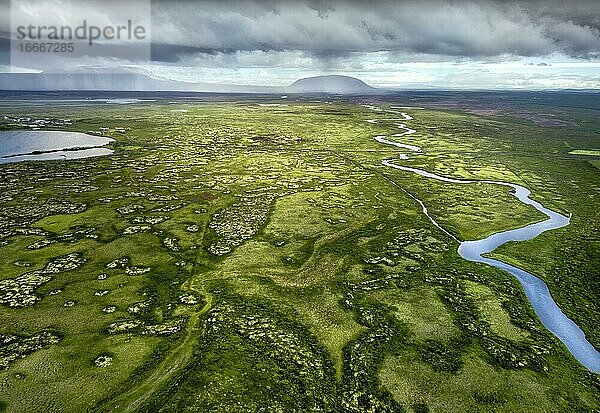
[535, 289]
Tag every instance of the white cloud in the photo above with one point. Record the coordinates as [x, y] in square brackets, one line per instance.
[463, 44]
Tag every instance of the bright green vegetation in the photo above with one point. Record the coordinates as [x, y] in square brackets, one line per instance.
[594, 152]
[490, 307]
[239, 257]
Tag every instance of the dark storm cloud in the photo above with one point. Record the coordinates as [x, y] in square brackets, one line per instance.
[336, 28]
[172, 53]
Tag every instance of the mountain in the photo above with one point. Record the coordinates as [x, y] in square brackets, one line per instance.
[122, 79]
[332, 84]
[130, 79]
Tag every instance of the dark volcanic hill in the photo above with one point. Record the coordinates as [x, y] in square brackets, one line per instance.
[334, 84]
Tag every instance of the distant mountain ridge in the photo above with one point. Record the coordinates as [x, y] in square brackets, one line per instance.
[115, 79]
[332, 84]
[128, 79]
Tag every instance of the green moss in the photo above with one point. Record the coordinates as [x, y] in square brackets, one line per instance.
[591, 152]
[362, 303]
[491, 308]
[479, 387]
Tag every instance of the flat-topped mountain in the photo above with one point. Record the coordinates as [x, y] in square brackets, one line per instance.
[334, 84]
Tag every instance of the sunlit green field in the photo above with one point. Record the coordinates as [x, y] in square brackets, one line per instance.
[591, 152]
[234, 256]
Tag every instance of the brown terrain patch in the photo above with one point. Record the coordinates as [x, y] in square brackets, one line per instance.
[542, 121]
[204, 196]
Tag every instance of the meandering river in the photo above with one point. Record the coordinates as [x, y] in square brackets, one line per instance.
[536, 290]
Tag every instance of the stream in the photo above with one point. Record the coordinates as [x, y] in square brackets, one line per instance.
[536, 290]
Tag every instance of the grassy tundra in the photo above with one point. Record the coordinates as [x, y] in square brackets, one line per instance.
[239, 256]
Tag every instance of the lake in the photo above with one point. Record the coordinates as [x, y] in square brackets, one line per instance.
[37, 145]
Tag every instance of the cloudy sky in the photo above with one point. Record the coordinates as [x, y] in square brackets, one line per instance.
[409, 44]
